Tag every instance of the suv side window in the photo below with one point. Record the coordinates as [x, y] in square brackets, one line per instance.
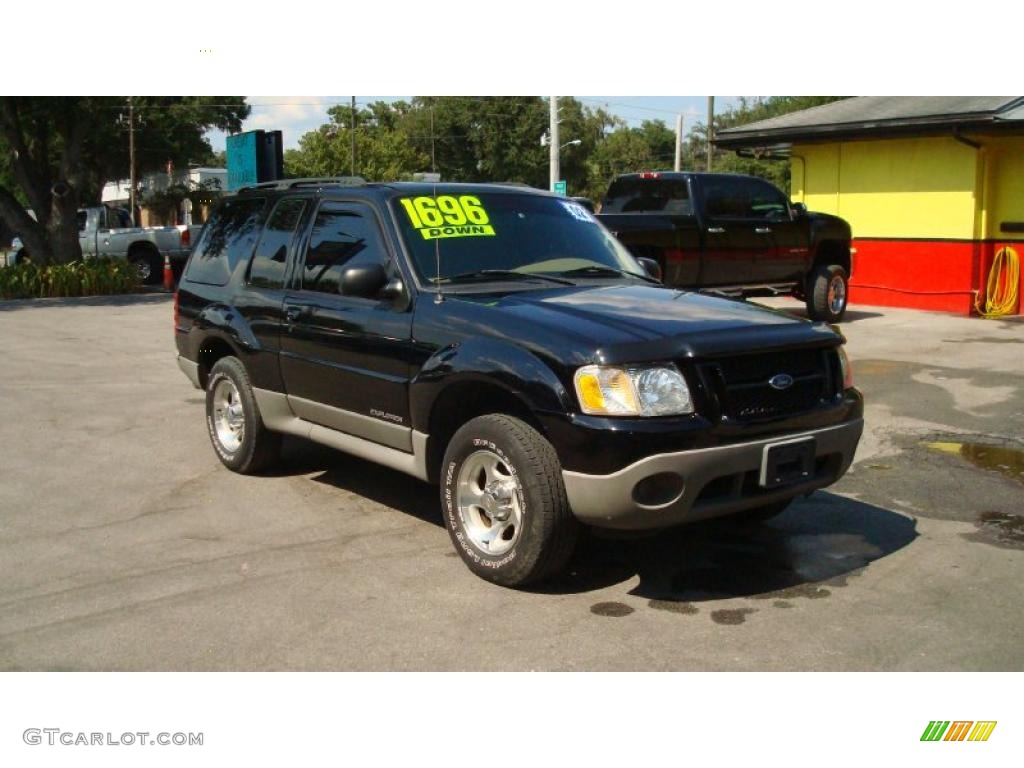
[271, 257]
[724, 198]
[739, 198]
[228, 238]
[764, 201]
[344, 235]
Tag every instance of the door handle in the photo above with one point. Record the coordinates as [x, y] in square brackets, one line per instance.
[292, 314]
[716, 230]
[763, 230]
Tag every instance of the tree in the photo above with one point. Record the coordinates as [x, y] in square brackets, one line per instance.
[649, 147]
[471, 138]
[464, 138]
[483, 138]
[384, 149]
[590, 127]
[59, 152]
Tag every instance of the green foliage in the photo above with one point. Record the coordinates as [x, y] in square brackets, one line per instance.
[169, 128]
[468, 138]
[79, 278]
[464, 138]
[384, 149]
[628, 150]
[57, 152]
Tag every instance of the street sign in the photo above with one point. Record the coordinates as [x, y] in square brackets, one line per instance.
[254, 157]
[560, 188]
[241, 156]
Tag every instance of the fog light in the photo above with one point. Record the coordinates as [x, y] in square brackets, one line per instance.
[658, 490]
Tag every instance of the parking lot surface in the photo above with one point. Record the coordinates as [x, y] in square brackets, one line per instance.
[126, 545]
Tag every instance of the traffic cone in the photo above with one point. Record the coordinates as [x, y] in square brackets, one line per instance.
[168, 274]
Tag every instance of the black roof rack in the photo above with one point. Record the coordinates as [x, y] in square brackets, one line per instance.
[337, 181]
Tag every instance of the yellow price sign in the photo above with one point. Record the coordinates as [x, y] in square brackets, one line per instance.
[448, 216]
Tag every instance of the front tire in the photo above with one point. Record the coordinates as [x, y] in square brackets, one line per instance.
[504, 502]
[240, 440]
[827, 294]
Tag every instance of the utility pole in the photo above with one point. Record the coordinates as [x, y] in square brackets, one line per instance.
[353, 136]
[711, 128]
[555, 171]
[131, 155]
[679, 144]
[131, 158]
[433, 158]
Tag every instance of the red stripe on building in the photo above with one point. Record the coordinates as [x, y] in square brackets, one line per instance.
[938, 275]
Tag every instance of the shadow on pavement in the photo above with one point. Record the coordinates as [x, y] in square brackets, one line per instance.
[117, 300]
[364, 478]
[815, 545]
[818, 543]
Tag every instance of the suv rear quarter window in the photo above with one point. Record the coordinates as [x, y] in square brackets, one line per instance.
[228, 239]
[271, 258]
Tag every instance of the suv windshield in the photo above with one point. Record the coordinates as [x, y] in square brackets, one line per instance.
[485, 234]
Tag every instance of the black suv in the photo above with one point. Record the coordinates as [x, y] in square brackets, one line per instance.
[501, 342]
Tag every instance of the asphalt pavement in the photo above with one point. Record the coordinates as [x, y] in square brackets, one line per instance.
[126, 545]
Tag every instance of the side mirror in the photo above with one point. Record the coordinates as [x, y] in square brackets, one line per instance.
[799, 209]
[651, 267]
[366, 281]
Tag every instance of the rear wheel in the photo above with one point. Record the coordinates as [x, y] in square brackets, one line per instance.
[148, 265]
[827, 294]
[241, 441]
[504, 501]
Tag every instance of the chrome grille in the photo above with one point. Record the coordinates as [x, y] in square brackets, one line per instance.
[744, 394]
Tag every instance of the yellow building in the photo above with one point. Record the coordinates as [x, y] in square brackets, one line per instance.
[933, 188]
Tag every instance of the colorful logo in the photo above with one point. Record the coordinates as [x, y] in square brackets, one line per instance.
[958, 730]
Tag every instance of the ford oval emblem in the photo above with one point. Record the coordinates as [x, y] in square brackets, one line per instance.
[781, 381]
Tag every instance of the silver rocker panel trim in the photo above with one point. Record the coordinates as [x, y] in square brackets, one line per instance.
[278, 416]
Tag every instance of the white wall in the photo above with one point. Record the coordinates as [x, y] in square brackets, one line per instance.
[117, 191]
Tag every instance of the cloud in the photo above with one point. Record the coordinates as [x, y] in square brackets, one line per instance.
[293, 115]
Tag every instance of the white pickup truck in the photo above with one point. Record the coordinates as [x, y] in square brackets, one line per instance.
[104, 231]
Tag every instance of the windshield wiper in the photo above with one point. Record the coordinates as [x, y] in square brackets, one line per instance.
[602, 271]
[501, 274]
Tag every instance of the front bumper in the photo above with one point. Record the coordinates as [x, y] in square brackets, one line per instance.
[715, 481]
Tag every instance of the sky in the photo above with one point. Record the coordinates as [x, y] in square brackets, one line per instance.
[296, 115]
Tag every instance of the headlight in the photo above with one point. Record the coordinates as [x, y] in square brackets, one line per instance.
[649, 391]
[845, 368]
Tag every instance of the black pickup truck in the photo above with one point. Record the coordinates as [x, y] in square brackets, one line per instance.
[733, 235]
[501, 343]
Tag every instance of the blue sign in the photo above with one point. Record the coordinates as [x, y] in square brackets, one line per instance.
[243, 161]
[561, 188]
